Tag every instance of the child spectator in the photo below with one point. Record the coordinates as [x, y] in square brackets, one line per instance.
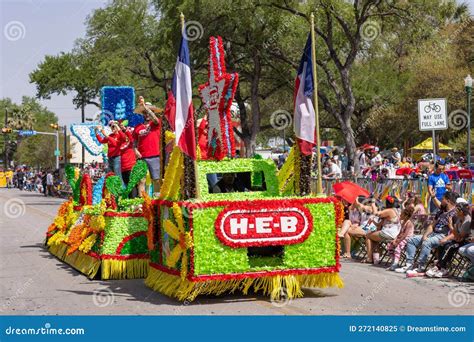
[396, 247]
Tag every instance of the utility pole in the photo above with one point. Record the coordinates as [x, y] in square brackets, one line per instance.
[65, 145]
[83, 119]
[5, 147]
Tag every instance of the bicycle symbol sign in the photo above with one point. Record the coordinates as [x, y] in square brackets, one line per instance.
[432, 114]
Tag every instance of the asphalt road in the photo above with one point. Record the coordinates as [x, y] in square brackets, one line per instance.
[33, 282]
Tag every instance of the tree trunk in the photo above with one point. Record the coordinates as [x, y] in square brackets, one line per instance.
[349, 140]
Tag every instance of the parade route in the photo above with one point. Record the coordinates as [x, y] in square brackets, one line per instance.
[33, 282]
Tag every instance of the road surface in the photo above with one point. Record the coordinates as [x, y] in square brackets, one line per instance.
[33, 282]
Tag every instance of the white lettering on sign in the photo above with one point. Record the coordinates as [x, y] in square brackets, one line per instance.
[432, 114]
[263, 224]
[237, 227]
[264, 227]
[288, 224]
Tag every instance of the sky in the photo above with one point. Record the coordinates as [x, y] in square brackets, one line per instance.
[35, 28]
[32, 29]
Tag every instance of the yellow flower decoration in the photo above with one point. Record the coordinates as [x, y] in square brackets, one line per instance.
[169, 137]
[173, 175]
[184, 241]
[97, 223]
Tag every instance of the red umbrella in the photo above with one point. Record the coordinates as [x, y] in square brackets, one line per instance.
[404, 171]
[368, 147]
[349, 191]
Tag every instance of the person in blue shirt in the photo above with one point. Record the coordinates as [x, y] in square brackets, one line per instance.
[438, 183]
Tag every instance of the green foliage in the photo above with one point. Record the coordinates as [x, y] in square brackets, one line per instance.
[73, 182]
[139, 172]
[135, 42]
[36, 150]
[76, 190]
[114, 185]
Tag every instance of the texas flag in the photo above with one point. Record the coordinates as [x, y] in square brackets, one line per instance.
[304, 117]
[179, 107]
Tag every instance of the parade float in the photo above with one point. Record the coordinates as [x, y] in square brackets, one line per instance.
[268, 236]
[99, 231]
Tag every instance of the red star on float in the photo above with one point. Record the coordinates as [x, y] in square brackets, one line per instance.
[217, 96]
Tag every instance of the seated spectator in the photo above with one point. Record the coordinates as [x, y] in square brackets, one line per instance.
[367, 223]
[458, 236]
[468, 252]
[334, 169]
[397, 246]
[389, 228]
[431, 237]
[415, 202]
[351, 217]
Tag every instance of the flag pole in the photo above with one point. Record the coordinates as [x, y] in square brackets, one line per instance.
[191, 189]
[319, 184]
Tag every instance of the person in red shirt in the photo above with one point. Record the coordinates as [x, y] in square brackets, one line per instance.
[113, 141]
[146, 137]
[127, 156]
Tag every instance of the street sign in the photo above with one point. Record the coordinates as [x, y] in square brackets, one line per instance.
[432, 114]
[26, 133]
[57, 153]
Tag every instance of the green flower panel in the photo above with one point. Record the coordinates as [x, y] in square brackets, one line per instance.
[137, 245]
[319, 249]
[210, 255]
[117, 228]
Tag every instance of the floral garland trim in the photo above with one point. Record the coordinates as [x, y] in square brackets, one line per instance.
[173, 175]
[286, 173]
[86, 190]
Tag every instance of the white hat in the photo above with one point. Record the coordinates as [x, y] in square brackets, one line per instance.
[460, 200]
[376, 149]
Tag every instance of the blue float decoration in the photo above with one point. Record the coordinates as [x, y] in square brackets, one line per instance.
[97, 191]
[118, 103]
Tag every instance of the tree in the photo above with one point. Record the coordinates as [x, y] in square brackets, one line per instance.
[363, 52]
[29, 115]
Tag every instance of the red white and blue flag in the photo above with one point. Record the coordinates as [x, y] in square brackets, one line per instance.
[179, 106]
[304, 117]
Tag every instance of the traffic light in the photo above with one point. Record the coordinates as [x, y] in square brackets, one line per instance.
[54, 126]
[6, 130]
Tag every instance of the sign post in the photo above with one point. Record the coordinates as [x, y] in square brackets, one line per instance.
[432, 115]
